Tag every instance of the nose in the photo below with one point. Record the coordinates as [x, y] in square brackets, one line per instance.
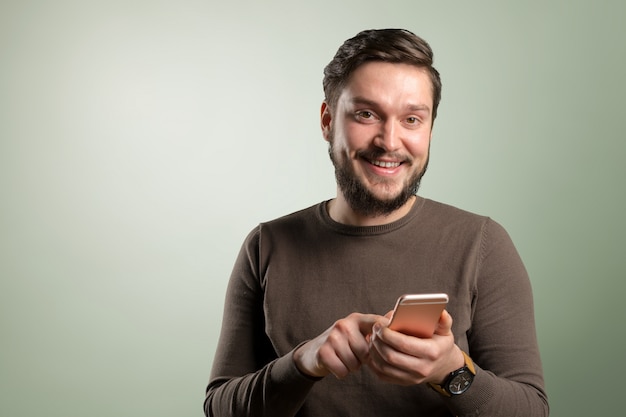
[387, 137]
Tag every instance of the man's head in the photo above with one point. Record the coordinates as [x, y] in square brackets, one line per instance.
[385, 45]
[381, 98]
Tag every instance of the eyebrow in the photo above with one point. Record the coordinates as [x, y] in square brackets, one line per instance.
[411, 107]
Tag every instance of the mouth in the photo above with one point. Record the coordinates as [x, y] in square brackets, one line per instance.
[384, 164]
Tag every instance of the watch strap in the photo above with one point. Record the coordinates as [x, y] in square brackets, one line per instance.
[442, 389]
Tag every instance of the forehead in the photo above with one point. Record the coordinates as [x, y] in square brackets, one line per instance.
[389, 84]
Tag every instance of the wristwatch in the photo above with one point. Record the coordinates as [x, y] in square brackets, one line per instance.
[458, 381]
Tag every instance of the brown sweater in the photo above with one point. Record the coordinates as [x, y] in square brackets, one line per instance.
[295, 276]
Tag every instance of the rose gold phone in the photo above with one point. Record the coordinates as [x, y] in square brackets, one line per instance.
[418, 314]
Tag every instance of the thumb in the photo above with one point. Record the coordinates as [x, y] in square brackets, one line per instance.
[444, 327]
[366, 322]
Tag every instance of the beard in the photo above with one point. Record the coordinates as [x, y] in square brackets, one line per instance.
[359, 197]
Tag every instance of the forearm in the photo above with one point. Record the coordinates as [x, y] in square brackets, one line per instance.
[249, 378]
[278, 389]
[490, 395]
[501, 339]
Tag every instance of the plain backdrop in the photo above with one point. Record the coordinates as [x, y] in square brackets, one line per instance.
[141, 140]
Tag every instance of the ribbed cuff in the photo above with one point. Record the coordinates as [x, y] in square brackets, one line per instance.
[470, 402]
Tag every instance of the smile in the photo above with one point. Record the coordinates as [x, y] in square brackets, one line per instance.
[385, 164]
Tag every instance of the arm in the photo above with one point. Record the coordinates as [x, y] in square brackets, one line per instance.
[501, 341]
[340, 350]
[407, 360]
[247, 377]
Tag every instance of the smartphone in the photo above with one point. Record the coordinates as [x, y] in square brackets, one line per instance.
[418, 314]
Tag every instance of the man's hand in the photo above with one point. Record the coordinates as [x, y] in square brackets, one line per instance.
[408, 360]
[340, 350]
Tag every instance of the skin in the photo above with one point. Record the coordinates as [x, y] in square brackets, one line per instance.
[382, 117]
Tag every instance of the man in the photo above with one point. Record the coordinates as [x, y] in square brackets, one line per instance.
[304, 332]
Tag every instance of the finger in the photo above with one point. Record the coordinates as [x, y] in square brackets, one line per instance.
[347, 347]
[393, 366]
[444, 327]
[366, 321]
[391, 347]
[400, 349]
[335, 354]
[330, 361]
[360, 342]
[381, 324]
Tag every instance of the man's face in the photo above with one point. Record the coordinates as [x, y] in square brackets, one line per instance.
[379, 135]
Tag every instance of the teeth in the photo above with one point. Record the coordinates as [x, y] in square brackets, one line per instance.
[384, 164]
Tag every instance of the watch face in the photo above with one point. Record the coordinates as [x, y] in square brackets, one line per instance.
[460, 383]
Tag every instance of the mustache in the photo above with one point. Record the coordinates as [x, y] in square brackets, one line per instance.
[372, 155]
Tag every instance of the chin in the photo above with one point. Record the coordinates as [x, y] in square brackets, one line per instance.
[387, 194]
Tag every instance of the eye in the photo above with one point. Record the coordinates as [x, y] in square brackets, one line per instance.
[365, 116]
[413, 122]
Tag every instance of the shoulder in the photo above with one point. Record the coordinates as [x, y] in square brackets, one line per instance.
[292, 224]
[442, 216]
[439, 212]
[284, 235]
[299, 216]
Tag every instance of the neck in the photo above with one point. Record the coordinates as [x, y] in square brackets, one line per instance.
[341, 212]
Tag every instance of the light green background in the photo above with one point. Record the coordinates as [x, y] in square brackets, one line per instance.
[141, 140]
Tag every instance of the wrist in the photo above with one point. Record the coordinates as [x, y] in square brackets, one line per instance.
[459, 381]
[306, 363]
[457, 361]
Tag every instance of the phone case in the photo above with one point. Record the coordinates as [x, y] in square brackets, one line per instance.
[418, 314]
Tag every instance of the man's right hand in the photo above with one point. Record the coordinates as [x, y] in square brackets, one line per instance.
[340, 350]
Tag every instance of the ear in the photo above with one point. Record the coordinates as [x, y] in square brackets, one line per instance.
[326, 121]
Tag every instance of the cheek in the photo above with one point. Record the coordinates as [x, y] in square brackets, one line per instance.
[358, 136]
[419, 145]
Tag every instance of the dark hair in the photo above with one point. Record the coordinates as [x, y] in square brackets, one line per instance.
[387, 45]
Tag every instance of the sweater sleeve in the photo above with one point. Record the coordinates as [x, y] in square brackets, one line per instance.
[247, 377]
[502, 339]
